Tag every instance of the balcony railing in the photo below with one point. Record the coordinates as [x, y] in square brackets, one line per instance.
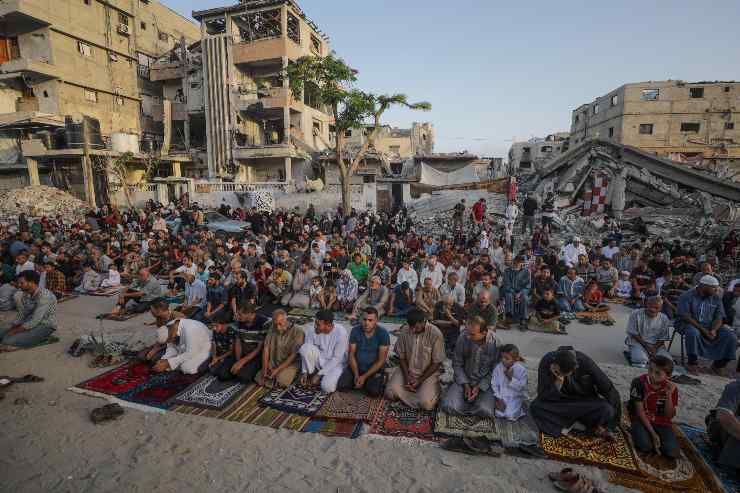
[271, 186]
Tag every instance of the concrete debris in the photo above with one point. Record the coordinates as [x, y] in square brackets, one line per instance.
[432, 214]
[39, 201]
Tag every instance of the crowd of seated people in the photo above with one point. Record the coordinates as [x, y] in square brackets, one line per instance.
[451, 291]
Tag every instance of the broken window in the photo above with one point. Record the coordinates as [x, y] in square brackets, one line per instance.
[526, 150]
[316, 127]
[578, 118]
[729, 126]
[215, 26]
[119, 100]
[91, 96]
[162, 36]
[596, 109]
[315, 45]
[84, 49]
[650, 94]
[611, 132]
[615, 100]
[546, 149]
[143, 25]
[646, 128]
[696, 92]
[727, 88]
[312, 96]
[690, 127]
[294, 28]
[259, 25]
[348, 132]
[122, 19]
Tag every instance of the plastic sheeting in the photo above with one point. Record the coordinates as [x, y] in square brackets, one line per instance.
[432, 177]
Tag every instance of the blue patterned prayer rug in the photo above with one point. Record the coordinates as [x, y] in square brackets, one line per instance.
[295, 400]
[700, 440]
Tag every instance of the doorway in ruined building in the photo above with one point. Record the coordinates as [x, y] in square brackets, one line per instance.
[397, 192]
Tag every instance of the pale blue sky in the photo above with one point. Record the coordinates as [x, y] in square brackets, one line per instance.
[496, 70]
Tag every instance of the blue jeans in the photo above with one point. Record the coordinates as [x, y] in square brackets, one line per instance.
[669, 446]
[574, 306]
[26, 338]
[517, 309]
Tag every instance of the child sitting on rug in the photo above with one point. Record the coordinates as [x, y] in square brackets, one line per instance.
[593, 298]
[114, 278]
[547, 313]
[623, 288]
[652, 406]
[509, 384]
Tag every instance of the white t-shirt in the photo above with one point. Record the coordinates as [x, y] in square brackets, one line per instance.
[609, 251]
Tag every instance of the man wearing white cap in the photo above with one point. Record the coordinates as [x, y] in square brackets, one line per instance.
[570, 252]
[188, 346]
[700, 317]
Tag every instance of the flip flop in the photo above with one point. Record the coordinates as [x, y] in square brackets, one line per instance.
[109, 412]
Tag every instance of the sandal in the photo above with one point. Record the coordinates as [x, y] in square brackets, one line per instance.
[482, 446]
[457, 445]
[608, 322]
[587, 321]
[567, 475]
[109, 412]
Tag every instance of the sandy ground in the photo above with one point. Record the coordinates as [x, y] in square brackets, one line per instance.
[50, 445]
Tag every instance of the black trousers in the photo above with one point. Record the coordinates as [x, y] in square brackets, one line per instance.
[374, 386]
[553, 415]
[222, 371]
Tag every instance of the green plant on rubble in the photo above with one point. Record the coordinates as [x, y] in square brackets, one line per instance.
[333, 81]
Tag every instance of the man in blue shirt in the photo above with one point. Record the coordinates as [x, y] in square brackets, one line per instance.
[368, 349]
[700, 318]
[217, 300]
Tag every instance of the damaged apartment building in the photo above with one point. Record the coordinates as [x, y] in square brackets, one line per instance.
[527, 157]
[67, 62]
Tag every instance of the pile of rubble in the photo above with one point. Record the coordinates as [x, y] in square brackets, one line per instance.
[39, 201]
[432, 214]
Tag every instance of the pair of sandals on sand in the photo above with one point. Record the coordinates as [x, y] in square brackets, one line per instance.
[571, 482]
[484, 446]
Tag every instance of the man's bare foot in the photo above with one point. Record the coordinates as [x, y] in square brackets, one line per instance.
[605, 434]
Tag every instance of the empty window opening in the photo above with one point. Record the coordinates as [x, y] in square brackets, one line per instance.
[696, 92]
[690, 127]
[646, 128]
[650, 94]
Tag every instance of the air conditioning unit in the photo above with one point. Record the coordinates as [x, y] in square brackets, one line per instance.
[123, 29]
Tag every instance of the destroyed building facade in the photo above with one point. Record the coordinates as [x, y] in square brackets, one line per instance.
[68, 59]
[697, 122]
[526, 157]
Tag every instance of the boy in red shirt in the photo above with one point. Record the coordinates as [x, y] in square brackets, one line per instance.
[652, 405]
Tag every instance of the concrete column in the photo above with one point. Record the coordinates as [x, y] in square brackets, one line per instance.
[250, 173]
[33, 171]
[288, 170]
[286, 109]
[176, 170]
[87, 171]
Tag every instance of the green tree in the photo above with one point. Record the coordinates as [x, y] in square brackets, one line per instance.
[333, 81]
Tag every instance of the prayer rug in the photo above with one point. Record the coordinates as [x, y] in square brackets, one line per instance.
[465, 426]
[120, 317]
[210, 393]
[350, 406]
[588, 450]
[104, 292]
[595, 316]
[546, 329]
[67, 297]
[303, 312]
[45, 342]
[159, 389]
[333, 428]
[119, 380]
[295, 400]
[699, 445]
[396, 419]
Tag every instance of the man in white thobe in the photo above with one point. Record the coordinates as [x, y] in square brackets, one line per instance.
[433, 270]
[570, 252]
[324, 353]
[188, 346]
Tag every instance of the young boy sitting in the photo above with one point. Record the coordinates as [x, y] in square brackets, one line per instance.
[652, 405]
[547, 313]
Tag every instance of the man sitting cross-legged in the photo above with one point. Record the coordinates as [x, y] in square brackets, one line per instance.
[324, 354]
[138, 298]
[421, 351]
[475, 357]
[368, 350]
[36, 317]
[188, 346]
[647, 333]
[280, 351]
[572, 389]
[235, 353]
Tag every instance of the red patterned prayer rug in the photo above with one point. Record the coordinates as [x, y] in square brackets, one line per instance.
[159, 389]
[396, 419]
[119, 380]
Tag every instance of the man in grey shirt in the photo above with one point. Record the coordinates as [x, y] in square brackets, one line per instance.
[7, 292]
[36, 319]
[140, 295]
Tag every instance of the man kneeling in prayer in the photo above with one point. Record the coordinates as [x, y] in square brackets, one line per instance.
[475, 357]
[421, 351]
[280, 351]
[368, 351]
[572, 389]
[324, 354]
[188, 347]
